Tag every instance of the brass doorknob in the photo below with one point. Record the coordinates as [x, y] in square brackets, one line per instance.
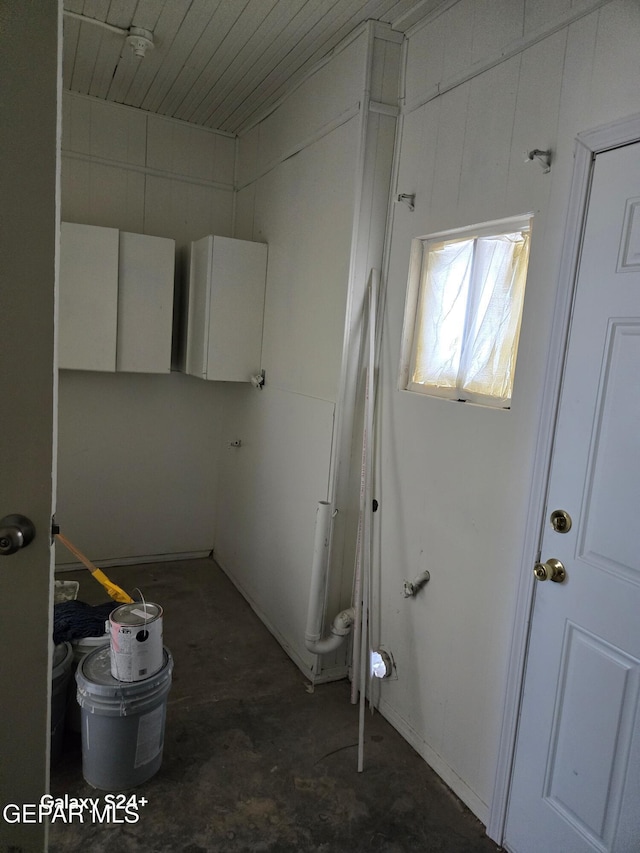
[552, 570]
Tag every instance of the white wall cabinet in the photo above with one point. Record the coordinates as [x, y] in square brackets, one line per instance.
[116, 300]
[227, 280]
[145, 303]
[88, 302]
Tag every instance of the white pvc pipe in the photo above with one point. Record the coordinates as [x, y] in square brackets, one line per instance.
[340, 629]
[85, 20]
[365, 487]
[357, 599]
[370, 401]
[319, 571]
[342, 623]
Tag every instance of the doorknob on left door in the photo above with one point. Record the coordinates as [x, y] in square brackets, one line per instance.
[551, 570]
[16, 531]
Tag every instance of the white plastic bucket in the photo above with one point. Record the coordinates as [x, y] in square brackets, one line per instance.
[122, 723]
[80, 647]
[136, 641]
[60, 675]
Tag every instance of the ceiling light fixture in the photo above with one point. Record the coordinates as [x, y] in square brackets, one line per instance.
[140, 40]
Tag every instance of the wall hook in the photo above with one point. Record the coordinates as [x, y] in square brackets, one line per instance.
[409, 199]
[413, 587]
[543, 157]
[258, 380]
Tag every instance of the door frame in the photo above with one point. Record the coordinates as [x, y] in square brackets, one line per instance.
[587, 145]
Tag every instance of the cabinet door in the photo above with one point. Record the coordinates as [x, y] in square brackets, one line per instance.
[236, 311]
[88, 307]
[145, 303]
[199, 302]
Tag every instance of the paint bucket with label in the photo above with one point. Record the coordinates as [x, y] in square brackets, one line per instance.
[60, 675]
[122, 723]
[136, 640]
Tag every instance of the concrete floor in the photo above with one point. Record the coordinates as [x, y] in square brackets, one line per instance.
[254, 760]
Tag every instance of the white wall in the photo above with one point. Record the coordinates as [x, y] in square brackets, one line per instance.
[302, 206]
[484, 84]
[304, 179]
[138, 453]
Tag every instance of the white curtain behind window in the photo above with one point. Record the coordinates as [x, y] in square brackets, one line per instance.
[469, 314]
[444, 292]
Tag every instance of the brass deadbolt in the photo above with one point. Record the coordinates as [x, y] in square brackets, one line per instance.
[560, 521]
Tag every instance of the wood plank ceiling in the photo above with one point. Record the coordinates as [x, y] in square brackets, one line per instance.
[216, 63]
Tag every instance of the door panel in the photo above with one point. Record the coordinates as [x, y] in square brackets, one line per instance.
[28, 237]
[576, 781]
[613, 470]
[591, 668]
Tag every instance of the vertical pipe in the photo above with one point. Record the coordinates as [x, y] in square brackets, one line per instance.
[319, 569]
[357, 586]
[364, 475]
[364, 647]
[368, 498]
[367, 456]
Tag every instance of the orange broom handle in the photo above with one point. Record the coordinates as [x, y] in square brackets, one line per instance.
[114, 591]
[84, 560]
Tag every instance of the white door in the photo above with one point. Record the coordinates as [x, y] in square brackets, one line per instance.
[28, 236]
[576, 784]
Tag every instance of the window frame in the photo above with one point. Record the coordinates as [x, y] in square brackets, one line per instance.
[419, 252]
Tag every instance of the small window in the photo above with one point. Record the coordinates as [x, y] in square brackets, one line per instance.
[464, 307]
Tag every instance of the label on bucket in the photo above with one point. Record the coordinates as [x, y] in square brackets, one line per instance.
[136, 650]
[143, 614]
[150, 730]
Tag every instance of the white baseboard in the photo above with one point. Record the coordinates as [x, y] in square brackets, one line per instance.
[331, 673]
[336, 673]
[134, 561]
[449, 776]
